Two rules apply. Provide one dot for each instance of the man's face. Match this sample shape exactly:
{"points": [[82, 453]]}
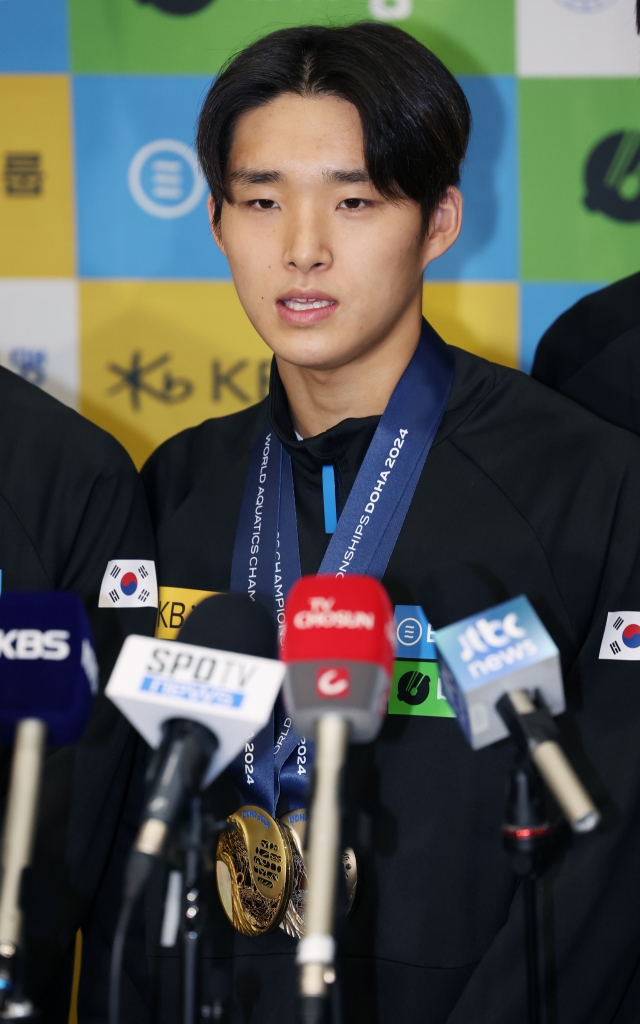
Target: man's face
{"points": [[325, 267]]}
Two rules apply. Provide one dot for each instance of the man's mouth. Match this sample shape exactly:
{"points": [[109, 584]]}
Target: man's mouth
{"points": [[302, 305]]}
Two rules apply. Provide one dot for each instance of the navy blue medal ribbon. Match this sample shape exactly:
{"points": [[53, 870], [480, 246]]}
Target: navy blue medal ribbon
{"points": [[266, 576], [266, 557]]}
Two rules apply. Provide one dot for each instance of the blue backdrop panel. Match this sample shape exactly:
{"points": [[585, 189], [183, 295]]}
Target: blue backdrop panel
{"points": [[487, 249], [141, 199], [34, 35]]}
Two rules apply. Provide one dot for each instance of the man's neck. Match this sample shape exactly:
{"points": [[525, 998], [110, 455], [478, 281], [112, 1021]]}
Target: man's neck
{"points": [[318, 399]]}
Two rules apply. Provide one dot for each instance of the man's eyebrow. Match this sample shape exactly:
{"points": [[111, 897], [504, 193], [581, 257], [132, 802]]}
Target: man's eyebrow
{"points": [[246, 176], [358, 176]]}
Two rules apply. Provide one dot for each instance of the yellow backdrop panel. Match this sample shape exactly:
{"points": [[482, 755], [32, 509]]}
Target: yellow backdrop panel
{"points": [[36, 205], [159, 356], [483, 318]]}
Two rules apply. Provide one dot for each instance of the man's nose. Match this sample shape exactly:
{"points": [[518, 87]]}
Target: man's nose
{"points": [[307, 245]]}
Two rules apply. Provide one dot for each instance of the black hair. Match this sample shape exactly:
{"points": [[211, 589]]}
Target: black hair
{"points": [[415, 117]]}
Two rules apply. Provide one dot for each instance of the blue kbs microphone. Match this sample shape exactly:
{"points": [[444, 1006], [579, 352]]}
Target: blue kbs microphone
{"points": [[48, 677]]}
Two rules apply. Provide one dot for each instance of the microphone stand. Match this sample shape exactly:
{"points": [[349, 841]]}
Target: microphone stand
{"points": [[527, 835], [198, 833], [17, 846], [316, 949], [192, 923]]}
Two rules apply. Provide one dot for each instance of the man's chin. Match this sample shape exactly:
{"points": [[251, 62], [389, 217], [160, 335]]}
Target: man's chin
{"points": [[323, 359]]}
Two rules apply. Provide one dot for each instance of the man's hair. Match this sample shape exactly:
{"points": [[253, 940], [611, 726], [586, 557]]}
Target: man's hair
{"points": [[415, 117]]}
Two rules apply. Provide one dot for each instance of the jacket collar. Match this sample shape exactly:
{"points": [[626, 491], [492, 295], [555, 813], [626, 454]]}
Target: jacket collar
{"points": [[345, 445]]}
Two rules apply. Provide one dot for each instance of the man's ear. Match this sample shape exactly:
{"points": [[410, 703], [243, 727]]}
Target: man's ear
{"points": [[215, 228], [444, 226]]}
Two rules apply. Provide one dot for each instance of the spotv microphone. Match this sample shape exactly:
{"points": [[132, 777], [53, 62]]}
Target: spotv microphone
{"points": [[48, 677], [197, 702], [338, 646], [489, 665]]}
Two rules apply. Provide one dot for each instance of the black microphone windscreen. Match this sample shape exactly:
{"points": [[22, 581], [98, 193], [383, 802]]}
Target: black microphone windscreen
{"points": [[232, 622]]}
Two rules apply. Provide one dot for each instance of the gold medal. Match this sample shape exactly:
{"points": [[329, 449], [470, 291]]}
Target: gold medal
{"points": [[254, 871], [261, 873], [295, 824]]}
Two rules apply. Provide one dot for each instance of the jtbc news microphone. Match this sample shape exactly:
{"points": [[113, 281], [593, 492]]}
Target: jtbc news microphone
{"points": [[48, 677], [338, 646], [491, 664]]}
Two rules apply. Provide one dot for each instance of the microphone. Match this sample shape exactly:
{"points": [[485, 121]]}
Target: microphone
{"points": [[338, 645], [48, 677], [196, 701], [489, 666]]}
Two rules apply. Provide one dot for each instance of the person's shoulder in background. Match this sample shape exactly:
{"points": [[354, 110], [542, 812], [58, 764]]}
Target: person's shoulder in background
{"points": [[71, 501], [64, 484], [584, 330], [34, 425], [591, 353]]}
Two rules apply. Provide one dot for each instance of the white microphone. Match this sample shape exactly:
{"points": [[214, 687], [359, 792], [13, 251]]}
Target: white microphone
{"points": [[490, 665], [197, 705]]}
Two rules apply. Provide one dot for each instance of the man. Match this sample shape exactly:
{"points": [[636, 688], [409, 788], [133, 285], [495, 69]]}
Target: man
{"points": [[592, 351], [333, 160], [70, 503]]}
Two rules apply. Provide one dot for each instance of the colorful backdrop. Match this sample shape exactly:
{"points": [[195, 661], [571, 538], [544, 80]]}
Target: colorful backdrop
{"points": [[112, 294]]}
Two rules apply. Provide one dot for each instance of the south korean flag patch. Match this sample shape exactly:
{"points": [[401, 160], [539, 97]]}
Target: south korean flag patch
{"points": [[621, 639], [129, 583]]}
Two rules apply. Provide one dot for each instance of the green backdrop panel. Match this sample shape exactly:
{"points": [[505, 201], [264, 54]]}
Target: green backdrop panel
{"points": [[472, 37], [580, 178], [137, 35]]}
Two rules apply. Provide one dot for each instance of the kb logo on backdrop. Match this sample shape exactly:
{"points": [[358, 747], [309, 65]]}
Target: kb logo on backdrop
{"points": [[155, 379], [150, 377], [612, 177], [165, 180]]}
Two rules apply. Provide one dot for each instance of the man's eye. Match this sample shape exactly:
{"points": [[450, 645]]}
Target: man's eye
{"points": [[264, 204], [352, 204]]}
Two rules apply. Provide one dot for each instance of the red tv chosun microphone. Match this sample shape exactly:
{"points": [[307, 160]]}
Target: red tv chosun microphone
{"points": [[338, 645]]}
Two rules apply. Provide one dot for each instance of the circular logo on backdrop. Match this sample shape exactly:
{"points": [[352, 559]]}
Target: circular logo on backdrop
{"points": [[612, 176], [165, 180], [631, 635], [129, 583], [409, 632], [178, 6], [586, 6], [413, 687]]}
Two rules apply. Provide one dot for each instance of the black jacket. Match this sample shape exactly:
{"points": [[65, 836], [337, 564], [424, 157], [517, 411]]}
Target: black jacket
{"points": [[70, 500], [592, 353], [522, 492]]}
